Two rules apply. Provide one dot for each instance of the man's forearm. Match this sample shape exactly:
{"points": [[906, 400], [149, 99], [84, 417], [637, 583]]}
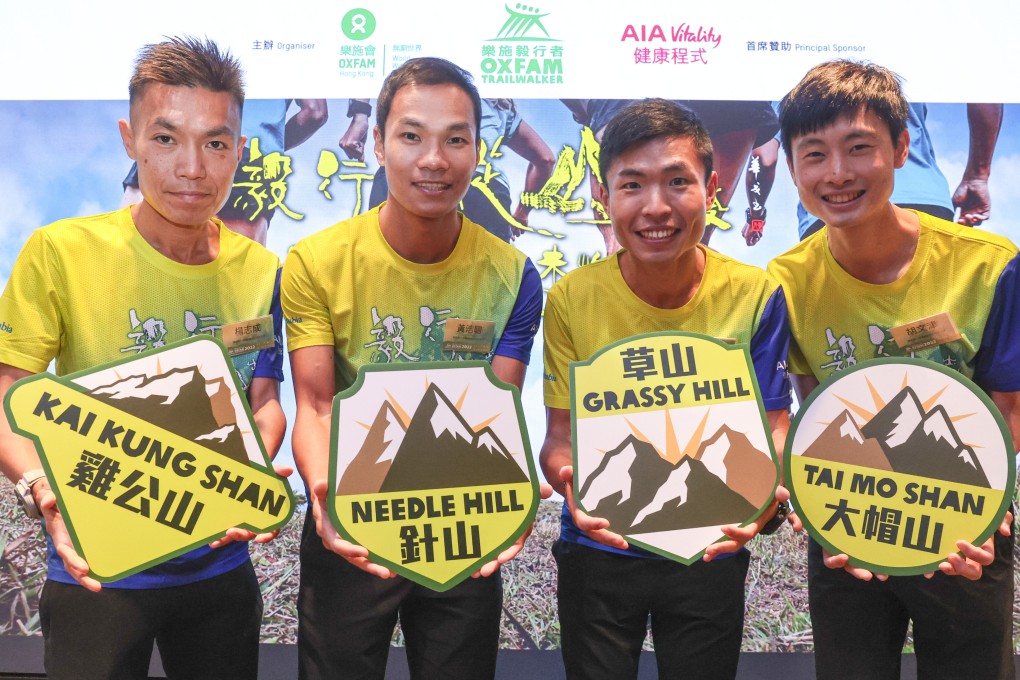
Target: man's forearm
{"points": [[311, 446], [17, 454], [985, 121]]}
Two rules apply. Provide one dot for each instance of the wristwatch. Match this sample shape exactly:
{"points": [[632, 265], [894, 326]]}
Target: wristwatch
{"points": [[757, 224], [772, 526], [24, 490], [356, 106]]}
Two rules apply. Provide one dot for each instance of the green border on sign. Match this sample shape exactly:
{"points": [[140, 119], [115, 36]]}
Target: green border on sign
{"points": [[741, 347], [68, 381], [1007, 496], [472, 567]]}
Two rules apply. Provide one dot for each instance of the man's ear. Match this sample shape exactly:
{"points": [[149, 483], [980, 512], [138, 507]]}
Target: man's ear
{"points": [[902, 150], [710, 190], [603, 196], [380, 152], [127, 138]]}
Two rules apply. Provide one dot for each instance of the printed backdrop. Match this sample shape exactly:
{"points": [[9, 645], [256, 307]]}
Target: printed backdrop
{"points": [[318, 65]]}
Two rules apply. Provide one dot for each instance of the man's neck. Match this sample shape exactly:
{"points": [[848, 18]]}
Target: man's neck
{"points": [[668, 285], [187, 244], [416, 239], [879, 251]]}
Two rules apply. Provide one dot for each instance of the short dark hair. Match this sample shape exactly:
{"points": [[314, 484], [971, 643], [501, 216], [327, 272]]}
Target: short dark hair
{"points": [[841, 88], [187, 62], [425, 71], [650, 119]]}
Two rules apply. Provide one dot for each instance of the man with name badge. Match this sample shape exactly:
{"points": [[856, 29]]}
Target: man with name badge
{"points": [[656, 161], [863, 287], [88, 291], [385, 287]]}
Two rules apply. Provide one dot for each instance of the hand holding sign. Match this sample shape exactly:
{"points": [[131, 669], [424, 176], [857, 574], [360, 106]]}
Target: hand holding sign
{"points": [[75, 565], [739, 535], [544, 491], [333, 541], [148, 459], [971, 560], [240, 534], [430, 471], [671, 449], [896, 463], [595, 528]]}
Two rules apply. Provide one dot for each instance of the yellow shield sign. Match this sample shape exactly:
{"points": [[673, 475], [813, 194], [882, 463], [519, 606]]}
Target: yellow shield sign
{"points": [[895, 460], [431, 468], [150, 457], [670, 441]]}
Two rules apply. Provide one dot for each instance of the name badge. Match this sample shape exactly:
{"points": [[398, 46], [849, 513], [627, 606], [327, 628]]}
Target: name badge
{"points": [[937, 329], [468, 335], [242, 337]]}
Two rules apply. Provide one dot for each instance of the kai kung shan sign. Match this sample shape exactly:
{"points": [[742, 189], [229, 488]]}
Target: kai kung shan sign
{"points": [[895, 460], [670, 441], [152, 456], [431, 468]]}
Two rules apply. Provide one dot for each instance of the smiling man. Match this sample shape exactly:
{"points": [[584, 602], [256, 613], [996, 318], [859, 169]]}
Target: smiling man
{"points": [[656, 162], [875, 266], [379, 288], [91, 290]]}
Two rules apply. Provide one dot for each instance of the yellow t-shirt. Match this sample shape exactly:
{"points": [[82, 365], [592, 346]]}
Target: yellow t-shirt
{"points": [[87, 291], [837, 320], [593, 307], [90, 290], [346, 287]]}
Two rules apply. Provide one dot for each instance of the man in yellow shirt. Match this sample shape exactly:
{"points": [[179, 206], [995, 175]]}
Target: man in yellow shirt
{"points": [[88, 291]]}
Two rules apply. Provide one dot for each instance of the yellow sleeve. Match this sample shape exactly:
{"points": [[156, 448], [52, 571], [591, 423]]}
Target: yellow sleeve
{"points": [[31, 326], [305, 302], [559, 350]]}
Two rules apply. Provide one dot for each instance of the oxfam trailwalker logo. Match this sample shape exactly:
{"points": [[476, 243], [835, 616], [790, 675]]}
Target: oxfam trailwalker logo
{"points": [[895, 460], [524, 23], [523, 50], [430, 468], [670, 441], [150, 457]]}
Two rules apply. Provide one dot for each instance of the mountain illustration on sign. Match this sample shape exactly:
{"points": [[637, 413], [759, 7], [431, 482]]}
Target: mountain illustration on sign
{"points": [[437, 449], [640, 491], [902, 437], [184, 402]]}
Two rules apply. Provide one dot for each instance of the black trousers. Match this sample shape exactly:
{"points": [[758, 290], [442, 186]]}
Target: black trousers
{"points": [[346, 618], [208, 630], [605, 601], [962, 629]]}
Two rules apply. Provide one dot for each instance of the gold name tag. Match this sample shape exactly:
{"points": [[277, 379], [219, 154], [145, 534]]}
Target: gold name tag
{"points": [[937, 329], [468, 335], [242, 337]]}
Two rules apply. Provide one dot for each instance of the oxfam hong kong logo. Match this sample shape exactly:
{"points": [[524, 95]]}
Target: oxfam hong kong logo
{"points": [[524, 23], [358, 24]]}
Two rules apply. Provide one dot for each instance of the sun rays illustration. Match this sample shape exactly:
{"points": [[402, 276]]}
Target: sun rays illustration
{"points": [[405, 417], [673, 453], [879, 402]]}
